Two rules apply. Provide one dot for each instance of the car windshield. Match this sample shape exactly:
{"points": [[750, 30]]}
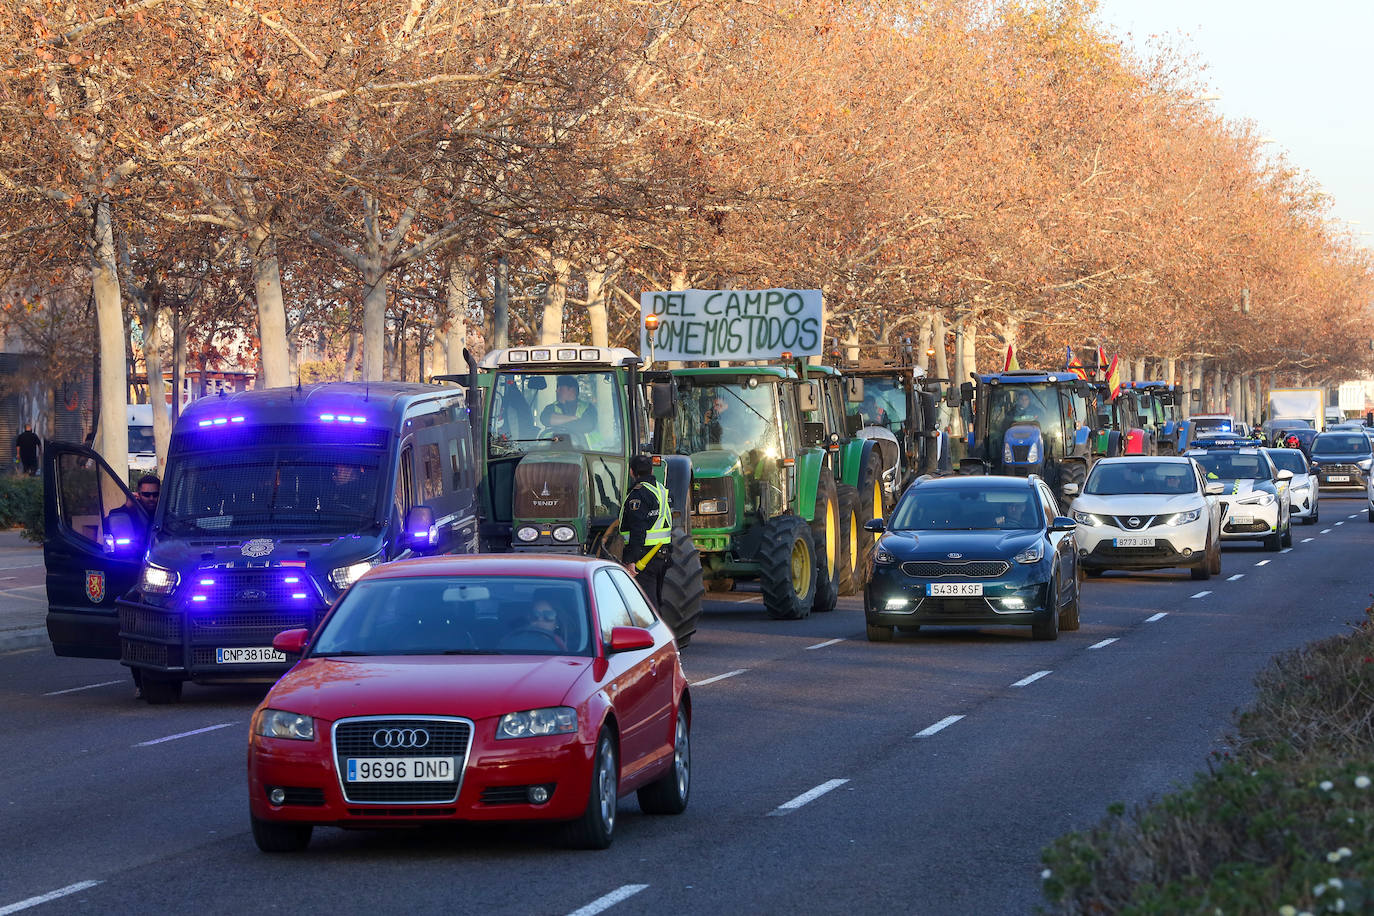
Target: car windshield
{"points": [[884, 404], [533, 412], [967, 509], [1210, 426], [1288, 459], [731, 417], [459, 615], [1341, 444], [1233, 466], [281, 489], [141, 440], [1165, 478]]}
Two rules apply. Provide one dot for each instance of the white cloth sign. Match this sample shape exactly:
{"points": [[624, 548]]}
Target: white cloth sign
{"points": [[731, 325]]}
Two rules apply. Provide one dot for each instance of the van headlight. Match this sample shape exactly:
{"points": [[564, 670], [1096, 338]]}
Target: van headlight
{"points": [[158, 580], [344, 576]]}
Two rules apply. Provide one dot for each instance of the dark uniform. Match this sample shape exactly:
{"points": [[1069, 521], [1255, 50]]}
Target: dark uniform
{"points": [[646, 521]]}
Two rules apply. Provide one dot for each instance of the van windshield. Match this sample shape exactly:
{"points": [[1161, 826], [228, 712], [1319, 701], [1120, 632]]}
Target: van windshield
{"points": [[141, 440], [283, 489]]}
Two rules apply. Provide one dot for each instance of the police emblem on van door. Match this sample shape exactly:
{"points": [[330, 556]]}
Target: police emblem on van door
{"points": [[258, 547], [544, 499], [95, 585]]}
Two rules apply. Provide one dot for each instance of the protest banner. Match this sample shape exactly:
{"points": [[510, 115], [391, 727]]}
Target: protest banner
{"points": [[730, 325]]}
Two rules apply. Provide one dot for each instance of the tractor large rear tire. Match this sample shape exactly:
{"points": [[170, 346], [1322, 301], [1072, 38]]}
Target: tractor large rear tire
{"points": [[787, 568], [1074, 472], [683, 588], [825, 534], [853, 575], [869, 507]]}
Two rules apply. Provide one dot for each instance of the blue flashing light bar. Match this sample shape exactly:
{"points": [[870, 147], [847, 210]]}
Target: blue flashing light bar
{"points": [[207, 581], [298, 595], [197, 597], [342, 418], [291, 580]]}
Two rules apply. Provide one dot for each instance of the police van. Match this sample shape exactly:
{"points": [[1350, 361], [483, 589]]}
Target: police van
{"points": [[274, 502]]}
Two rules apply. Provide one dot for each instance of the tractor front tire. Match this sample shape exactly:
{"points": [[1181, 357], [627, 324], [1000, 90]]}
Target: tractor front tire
{"points": [[787, 568], [683, 588]]}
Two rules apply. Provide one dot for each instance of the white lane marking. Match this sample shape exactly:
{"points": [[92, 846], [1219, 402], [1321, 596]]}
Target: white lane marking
{"points": [[808, 796], [1203, 594], [1286, 550], [1235, 577], [601, 904], [1307, 540], [196, 731], [1160, 616], [1262, 563], [828, 642], [944, 723], [1353, 516], [1325, 531], [719, 677], [7, 578], [1340, 523], [58, 693], [20, 651], [36, 565], [76, 888], [1031, 679], [1104, 643]]}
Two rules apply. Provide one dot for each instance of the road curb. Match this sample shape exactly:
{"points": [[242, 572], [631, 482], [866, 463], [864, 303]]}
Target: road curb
{"points": [[25, 638]]}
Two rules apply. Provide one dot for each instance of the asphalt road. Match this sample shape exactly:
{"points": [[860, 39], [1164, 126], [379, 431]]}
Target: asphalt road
{"points": [[830, 774]]}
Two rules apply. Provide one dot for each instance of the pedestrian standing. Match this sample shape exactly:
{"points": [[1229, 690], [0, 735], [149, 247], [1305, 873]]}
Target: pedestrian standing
{"points": [[27, 447], [646, 521]]}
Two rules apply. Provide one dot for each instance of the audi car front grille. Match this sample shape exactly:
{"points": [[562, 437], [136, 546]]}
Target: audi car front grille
{"points": [[402, 736], [971, 569]]}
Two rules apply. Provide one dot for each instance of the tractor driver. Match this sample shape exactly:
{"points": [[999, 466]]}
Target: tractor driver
{"points": [[569, 413]]}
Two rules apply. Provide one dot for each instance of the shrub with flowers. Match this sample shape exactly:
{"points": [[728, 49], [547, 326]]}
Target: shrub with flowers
{"points": [[1283, 824]]}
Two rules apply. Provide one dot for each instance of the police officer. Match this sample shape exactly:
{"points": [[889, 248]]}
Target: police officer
{"points": [[646, 521]]}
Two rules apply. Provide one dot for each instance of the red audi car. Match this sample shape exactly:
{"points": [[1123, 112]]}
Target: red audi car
{"points": [[476, 688]]}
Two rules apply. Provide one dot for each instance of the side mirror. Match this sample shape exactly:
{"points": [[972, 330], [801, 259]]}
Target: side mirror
{"points": [[662, 399], [853, 423], [1063, 523], [1070, 489], [420, 531], [291, 642], [1215, 488], [626, 639], [875, 525], [1196, 395], [952, 397], [813, 434], [121, 536], [809, 396], [966, 391], [854, 390], [1285, 474]]}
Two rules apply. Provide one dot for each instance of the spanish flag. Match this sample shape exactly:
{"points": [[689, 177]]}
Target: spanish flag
{"points": [[1073, 365], [1101, 364], [1114, 378], [1011, 362]]}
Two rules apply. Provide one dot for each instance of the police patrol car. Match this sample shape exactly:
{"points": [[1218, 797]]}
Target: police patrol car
{"points": [[1255, 499]]}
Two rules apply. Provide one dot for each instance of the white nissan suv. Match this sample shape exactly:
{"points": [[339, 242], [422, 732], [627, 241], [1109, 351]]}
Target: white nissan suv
{"points": [[1148, 512]]}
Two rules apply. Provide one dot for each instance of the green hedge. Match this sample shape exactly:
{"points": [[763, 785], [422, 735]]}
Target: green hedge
{"points": [[1283, 824], [21, 505]]}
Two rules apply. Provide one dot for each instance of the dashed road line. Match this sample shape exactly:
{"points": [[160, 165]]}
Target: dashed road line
{"points": [[1262, 563], [194, 731], [1104, 643], [76, 888], [944, 723], [1235, 577], [1340, 523], [1325, 531], [1155, 617], [601, 904], [1286, 550], [1202, 594], [1031, 679], [828, 642], [1307, 540], [58, 693], [719, 677], [808, 796], [1354, 516]]}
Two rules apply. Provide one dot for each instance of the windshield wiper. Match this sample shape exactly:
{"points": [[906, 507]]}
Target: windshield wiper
{"points": [[462, 652]]}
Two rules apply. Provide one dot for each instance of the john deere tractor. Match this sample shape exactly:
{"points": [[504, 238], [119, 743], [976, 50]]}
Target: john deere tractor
{"points": [[763, 503], [561, 424], [1027, 422]]}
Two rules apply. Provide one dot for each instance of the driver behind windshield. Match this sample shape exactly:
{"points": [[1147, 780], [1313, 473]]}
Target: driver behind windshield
{"points": [[570, 412]]}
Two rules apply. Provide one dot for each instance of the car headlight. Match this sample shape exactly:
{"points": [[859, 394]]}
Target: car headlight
{"points": [[533, 723], [278, 723], [527, 533], [1033, 554], [883, 558], [713, 507], [1263, 499], [1364, 464], [1086, 519], [344, 576], [564, 533], [1183, 518], [158, 580]]}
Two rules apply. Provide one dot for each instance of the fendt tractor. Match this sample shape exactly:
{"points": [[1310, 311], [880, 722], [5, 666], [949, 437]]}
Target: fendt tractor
{"points": [[1159, 408], [1122, 414], [1027, 422], [561, 423], [764, 504]]}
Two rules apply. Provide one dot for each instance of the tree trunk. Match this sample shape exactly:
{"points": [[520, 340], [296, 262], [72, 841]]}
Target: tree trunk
{"points": [[374, 321], [851, 341], [500, 307], [113, 438], [555, 297], [598, 317], [924, 344], [456, 337], [941, 333], [1170, 365], [157, 386], [351, 357], [276, 365], [178, 362]]}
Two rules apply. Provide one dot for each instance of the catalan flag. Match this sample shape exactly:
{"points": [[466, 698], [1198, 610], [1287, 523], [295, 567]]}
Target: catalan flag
{"points": [[1073, 365], [1114, 378]]}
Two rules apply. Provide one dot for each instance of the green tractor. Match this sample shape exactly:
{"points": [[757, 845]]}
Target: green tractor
{"points": [[764, 504], [561, 423]]}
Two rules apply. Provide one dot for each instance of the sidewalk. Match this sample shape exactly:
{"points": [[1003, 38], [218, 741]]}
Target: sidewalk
{"points": [[23, 593]]}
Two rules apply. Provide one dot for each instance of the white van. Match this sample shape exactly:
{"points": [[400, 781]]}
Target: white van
{"points": [[142, 451]]}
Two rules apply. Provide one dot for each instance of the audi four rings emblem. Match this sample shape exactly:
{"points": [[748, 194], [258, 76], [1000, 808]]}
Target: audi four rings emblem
{"points": [[400, 737]]}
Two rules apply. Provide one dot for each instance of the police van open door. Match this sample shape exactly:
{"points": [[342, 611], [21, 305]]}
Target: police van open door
{"points": [[90, 560]]}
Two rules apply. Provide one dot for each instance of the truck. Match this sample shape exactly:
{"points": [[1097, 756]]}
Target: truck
{"points": [[1350, 399], [1297, 404]]}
